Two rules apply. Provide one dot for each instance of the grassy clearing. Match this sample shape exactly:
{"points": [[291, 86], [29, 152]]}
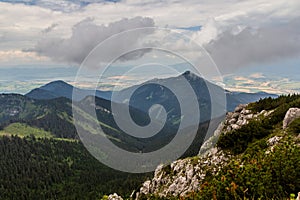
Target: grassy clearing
{"points": [[23, 130]]}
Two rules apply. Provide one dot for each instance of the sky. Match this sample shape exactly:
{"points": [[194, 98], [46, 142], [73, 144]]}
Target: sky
{"points": [[255, 44]]}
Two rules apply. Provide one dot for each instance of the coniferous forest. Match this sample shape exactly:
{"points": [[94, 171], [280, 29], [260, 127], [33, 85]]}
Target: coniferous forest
{"points": [[40, 168]]}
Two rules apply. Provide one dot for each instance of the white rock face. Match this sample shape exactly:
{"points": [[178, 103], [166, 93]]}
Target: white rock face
{"points": [[240, 117], [290, 116], [114, 196], [182, 176]]}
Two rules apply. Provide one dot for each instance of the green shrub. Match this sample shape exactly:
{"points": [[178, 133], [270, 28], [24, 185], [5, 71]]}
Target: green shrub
{"points": [[237, 141], [272, 176]]}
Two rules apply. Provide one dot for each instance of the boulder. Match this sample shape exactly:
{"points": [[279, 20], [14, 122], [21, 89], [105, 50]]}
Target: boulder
{"points": [[250, 116], [235, 126], [245, 112], [232, 121], [240, 107], [290, 116], [114, 196], [241, 122]]}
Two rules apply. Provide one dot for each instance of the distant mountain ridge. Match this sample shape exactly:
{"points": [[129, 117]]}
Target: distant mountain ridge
{"points": [[60, 88]]}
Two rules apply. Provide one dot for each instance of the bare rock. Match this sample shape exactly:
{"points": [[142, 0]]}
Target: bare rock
{"points": [[114, 196], [183, 176], [290, 116], [235, 126], [241, 122], [274, 140], [240, 107], [232, 121], [245, 112], [263, 112], [235, 115], [145, 189], [249, 116]]}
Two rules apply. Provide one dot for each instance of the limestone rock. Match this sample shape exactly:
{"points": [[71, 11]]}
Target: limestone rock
{"points": [[274, 140], [240, 107], [290, 116], [248, 117], [235, 115], [145, 189], [114, 196], [241, 122], [235, 126], [245, 112], [183, 176], [232, 121]]}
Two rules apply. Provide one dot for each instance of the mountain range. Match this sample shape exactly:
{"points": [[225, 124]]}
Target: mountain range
{"points": [[60, 88], [50, 108]]}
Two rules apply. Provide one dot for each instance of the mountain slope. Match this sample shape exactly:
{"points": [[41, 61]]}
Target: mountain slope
{"points": [[256, 157], [53, 116], [45, 168]]}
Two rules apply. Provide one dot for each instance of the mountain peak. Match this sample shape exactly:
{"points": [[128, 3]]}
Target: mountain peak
{"points": [[54, 85], [190, 75], [52, 90], [188, 72]]}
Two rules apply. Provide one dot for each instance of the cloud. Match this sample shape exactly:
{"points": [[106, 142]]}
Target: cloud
{"points": [[49, 28], [24, 23], [14, 56], [86, 35], [252, 45], [59, 5]]}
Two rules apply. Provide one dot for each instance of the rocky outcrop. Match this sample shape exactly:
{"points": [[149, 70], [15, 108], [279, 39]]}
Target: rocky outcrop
{"points": [[183, 176], [233, 121], [291, 115], [241, 116]]}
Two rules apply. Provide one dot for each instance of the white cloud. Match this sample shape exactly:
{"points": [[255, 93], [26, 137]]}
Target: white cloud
{"points": [[249, 23], [16, 56], [86, 35], [265, 44]]}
